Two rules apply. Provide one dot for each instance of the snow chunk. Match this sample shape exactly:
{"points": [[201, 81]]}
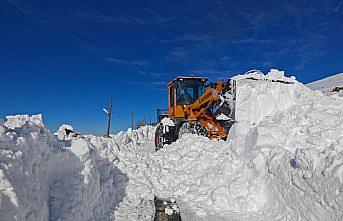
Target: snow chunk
{"points": [[66, 132], [17, 121], [273, 75], [167, 122], [168, 211], [222, 116]]}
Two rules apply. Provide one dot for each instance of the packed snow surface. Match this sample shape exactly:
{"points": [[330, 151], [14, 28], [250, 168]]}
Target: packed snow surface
{"points": [[282, 161]]}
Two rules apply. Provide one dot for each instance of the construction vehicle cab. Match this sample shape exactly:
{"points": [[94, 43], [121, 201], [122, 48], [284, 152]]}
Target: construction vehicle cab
{"points": [[193, 107], [183, 91]]}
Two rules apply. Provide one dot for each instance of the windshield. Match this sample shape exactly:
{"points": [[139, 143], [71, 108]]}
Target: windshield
{"points": [[189, 90]]}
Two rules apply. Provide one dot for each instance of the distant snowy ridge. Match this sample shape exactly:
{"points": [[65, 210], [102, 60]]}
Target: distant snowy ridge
{"points": [[327, 85]]}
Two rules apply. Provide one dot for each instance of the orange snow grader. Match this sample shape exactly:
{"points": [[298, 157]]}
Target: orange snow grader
{"points": [[197, 107]]}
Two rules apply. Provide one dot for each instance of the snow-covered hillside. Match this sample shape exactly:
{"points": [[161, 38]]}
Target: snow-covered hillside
{"points": [[328, 85], [283, 160]]}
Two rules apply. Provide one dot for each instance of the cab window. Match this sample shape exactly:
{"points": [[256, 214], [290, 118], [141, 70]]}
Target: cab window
{"points": [[189, 90]]}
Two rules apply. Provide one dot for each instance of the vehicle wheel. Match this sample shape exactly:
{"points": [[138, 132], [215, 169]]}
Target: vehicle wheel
{"points": [[158, 137], [192, 127]]}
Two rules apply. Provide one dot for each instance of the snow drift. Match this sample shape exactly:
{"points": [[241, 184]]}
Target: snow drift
{"points": [[45, 178], [282, 161]]}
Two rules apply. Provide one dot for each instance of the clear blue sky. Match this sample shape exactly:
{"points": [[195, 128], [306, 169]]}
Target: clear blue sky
{"points": [[65, 58]]}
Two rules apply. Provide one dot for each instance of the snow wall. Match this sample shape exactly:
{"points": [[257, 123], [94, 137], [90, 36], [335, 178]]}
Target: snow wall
{"points": [[46, 178]]}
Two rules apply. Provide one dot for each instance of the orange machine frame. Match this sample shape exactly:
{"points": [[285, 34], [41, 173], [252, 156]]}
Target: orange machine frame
{"points": [[200, 110]]}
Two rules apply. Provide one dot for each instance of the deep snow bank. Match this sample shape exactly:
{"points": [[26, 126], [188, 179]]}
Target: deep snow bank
{"points": [[256, 99], [125, 151], [217, 181], [45, 178], [23, 173]]}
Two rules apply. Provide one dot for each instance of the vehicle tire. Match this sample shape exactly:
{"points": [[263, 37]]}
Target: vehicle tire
{"points": [[192, 127], [158, 137]]}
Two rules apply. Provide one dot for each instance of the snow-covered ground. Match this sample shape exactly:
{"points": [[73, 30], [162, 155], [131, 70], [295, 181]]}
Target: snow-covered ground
{"points": [[282, 161]]}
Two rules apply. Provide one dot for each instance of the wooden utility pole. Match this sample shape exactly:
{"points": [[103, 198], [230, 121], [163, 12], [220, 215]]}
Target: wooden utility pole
{"points": [[109, 115], [132, 120]]}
